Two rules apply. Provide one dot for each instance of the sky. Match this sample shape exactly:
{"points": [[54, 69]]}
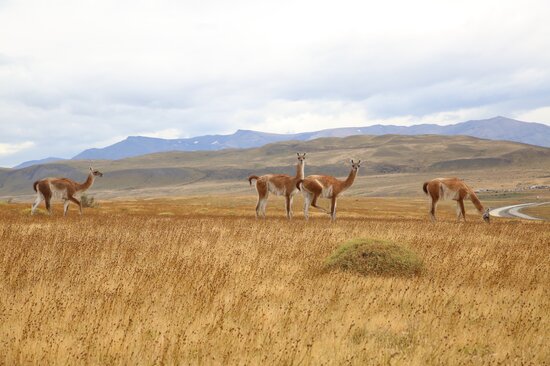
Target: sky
{"points": [[89, 73]]}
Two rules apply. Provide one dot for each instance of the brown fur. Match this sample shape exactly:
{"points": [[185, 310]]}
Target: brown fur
{"points": [[315, 186], [454, 188], [67, 187], [252, 177], [278, 184]]}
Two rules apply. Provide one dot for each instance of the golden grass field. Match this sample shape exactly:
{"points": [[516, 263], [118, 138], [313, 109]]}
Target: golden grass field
{"points": [[200, 281], [542, 211]]}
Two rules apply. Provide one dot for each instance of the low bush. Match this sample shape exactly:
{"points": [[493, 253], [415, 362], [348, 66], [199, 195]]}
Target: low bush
{"points": [[88, 201], [375, 257]]}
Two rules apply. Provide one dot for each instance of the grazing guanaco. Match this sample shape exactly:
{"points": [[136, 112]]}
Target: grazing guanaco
{"points": [[67, 188], [455, 189], [315, 186]]}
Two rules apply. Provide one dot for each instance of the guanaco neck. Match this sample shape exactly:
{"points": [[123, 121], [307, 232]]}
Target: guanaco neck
{"points": [[476, 202], [300, 169], [350, 179], [80, 187]]}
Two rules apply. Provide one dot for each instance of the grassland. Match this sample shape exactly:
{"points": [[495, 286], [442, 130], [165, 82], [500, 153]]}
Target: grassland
{"points": [[504, 181], [542, 211], [200, 281]]}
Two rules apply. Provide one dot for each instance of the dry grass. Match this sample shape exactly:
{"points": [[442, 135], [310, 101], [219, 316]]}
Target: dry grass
{"points": [[542, 211], [200, 281]]}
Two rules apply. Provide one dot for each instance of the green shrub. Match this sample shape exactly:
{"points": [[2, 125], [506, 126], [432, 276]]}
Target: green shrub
{"points": [[88, 201], [375, 257]]}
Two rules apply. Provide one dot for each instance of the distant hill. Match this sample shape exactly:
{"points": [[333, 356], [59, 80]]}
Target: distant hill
{"points": [[382, 155], [138, 145], [37, 162], [498, 128]]}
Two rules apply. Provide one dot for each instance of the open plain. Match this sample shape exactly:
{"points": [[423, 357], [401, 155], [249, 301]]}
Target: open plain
{"points": [[166, 127], [199, 280]]}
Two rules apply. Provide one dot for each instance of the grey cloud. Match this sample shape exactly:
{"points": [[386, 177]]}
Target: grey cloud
{"points": [[90, 104]]}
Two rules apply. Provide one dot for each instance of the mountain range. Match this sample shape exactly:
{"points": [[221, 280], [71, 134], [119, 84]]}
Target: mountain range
{"points": [[403, 161], [497, 128]]}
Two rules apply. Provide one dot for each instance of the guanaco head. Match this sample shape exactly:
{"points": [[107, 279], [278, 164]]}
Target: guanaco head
{"points": [[301, 157], [96, 173], [355, 166], [486, 216]]}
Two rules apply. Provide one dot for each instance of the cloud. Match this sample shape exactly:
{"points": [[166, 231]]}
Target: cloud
{"points": [[10, 149], [88, 74], [169, 133], [539, 114]]}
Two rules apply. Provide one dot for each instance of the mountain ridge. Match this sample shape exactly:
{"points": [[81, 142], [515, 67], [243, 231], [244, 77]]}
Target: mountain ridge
{"points": [[37, 162], [385, 155], [496, 128]]}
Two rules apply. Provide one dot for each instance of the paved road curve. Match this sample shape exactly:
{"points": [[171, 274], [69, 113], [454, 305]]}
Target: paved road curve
{"points": [[513, 211]]}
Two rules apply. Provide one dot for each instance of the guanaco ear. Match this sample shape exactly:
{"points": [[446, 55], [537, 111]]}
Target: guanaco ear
{"points": [[298, 153], [351, 160]]}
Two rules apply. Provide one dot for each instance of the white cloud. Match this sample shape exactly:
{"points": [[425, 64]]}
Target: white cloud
{"points": [[75, 75], [169, 133], [535, 115], [10, 149]]}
